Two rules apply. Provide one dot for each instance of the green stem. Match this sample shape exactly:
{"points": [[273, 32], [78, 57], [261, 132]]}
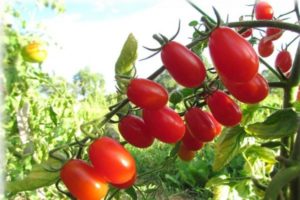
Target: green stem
{"points": [[294, 79], [270, 68], [277, 84]]}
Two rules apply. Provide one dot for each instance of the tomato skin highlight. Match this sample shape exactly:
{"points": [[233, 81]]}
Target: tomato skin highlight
{"points": [[265, 47], [190, 142], [263, 11], [185, 154], [283, 61], [134, 131], [184, 66], [147, 94], [82, 180], [112, 160], [224, 109], [251, 92], [230, 53], [200, 124], [164, 124]]}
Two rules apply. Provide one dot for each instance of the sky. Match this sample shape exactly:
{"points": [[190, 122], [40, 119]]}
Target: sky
{"points": [[91, 32]]}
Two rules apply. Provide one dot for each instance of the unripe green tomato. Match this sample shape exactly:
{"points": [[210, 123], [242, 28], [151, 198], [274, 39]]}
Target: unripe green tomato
{"points": [[34, 52]]}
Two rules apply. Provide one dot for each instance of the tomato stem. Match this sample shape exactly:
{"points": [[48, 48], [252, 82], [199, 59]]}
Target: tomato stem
{"points": [[271, 68]]}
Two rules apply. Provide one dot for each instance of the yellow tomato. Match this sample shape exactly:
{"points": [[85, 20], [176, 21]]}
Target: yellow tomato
{"points": [[34, 52]]}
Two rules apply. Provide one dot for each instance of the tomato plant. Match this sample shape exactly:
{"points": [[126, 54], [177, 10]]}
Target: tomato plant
{"points": [[83, 181], [232, 53], [147, 94], [191, 142], [283, 61], [134, 131], [265, 47], [224, 109], [34, 52], [111, 160], [263, 11], [164, 124], [183, 65]]}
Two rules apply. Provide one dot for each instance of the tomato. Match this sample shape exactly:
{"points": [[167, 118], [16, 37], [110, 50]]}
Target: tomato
{"points": [[112, 160], [200, 124], [273, 33], [83, 181], [164, 124], [265, 47], [184, 66], [298, 94], [190, 142], [185, 154], [246, 33], [218, 125], [232, 55], [134, 131], [34, 52], [126, 185], [263, 11], [147, 94], [224, 109], [283, 61], [250, 92]]}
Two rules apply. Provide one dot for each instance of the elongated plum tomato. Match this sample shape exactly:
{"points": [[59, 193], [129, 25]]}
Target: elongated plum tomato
{"points": [[224, 109], [273, 33], [263, 11], [83, 181], [218, 125], [184, 66], [147, 93], [200, 124], [283, 61], [250, 92], [126, 185], [34, 52], [164, 124], [111, 160], [190, 142], [232, 55], [134, 131], [265, 47], [185, 154], [247, 33]]}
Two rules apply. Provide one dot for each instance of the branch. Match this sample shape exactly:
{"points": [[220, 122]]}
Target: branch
{"points": [[294, 79], [277, 84], [297, 10], [271, 68]]}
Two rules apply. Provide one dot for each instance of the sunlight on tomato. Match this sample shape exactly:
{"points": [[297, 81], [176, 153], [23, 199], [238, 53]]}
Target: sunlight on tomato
{"points": [[34, 52]]}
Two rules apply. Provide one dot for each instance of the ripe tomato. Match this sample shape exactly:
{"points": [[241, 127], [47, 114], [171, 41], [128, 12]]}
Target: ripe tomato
{"points": [[83, 181], [265, 47], [147, 94], [224, 109], [218, 125], [190, 142], [283, 61], [246, 33], [126, 185], [34, 52], [184, 66], [164, 124], [200, 124], [263, 11], [185, 154], [273, 33], [134, 131], [111, 160], [232, 55], [250, 92]]}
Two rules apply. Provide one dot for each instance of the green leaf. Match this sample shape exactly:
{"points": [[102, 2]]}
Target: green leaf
{"points": [[53, 115], [227, 146], [263, 153], [131, 192], [38, 177], [193, 23], [280, 124]]}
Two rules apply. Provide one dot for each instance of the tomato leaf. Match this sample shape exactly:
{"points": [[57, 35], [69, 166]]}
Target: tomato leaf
{"points": [[227, 146], [263, 153], [131, 192], [280, 124], [38, 177], [53, 115]]}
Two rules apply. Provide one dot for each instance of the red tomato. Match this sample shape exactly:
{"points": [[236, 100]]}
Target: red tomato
{"points": [[283, 61], [218, 125], [200, 124], [190, 142], [112, 160], [263, 11], [224, 109], [83, 181], [185, 154], [265, 47], [246, 33], [298, 94], [250, 92], [134, 131], [273, 33], [126, 185], [184, 66], [232, 55], [147, 94], [164, 124]]}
